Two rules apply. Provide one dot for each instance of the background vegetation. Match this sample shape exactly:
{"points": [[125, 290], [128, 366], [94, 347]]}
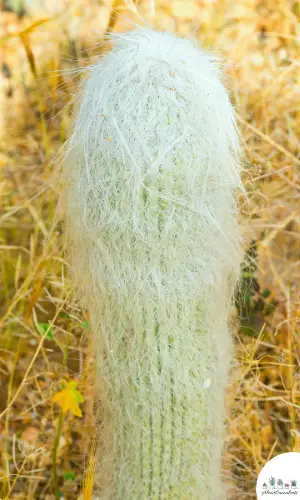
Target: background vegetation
{"points": [[47, 397]]}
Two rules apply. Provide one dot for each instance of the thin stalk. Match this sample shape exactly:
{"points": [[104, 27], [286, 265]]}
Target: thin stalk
{"points": [[54, 455]]}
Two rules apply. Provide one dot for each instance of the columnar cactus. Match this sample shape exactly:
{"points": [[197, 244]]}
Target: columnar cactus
{"points": [[150, 175]]}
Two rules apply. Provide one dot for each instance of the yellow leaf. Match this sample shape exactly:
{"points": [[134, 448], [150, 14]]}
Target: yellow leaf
{"points": [[69, 398]]}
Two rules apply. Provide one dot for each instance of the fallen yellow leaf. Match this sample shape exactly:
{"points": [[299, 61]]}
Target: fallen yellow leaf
{"points": [[69, 398]]}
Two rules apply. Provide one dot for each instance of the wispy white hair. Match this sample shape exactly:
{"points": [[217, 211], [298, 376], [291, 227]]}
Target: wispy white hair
{"points": [[150, 178]]}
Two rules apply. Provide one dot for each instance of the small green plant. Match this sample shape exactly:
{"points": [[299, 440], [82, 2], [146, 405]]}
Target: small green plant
{"points": [[45, 329]]}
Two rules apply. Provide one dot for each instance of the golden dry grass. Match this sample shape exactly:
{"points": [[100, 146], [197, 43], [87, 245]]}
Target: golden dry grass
{"points": [[45, 337]]}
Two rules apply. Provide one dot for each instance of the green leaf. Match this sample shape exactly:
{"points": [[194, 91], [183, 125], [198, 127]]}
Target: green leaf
{"points": [[62, 314], [69, 475], [44, 327], [85, 325]]}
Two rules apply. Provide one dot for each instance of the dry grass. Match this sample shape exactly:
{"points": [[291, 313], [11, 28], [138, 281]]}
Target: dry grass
{"points": [[260, 40]]}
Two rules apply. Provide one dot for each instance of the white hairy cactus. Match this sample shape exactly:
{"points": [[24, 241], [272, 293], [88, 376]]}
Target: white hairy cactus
{"points": [[150, 175]]}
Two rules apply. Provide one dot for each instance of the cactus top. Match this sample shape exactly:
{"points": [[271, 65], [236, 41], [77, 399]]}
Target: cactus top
{"points": [[155, 137]]}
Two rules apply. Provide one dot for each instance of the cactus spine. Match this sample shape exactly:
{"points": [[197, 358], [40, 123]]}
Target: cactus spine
{"points": [[150, 174]]}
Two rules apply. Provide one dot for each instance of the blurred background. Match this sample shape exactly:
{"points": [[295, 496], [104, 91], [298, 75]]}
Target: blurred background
{"points": [[47, 397]]}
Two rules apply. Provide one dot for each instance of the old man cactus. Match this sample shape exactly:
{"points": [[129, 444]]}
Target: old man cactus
{"points": [[150, 178]]}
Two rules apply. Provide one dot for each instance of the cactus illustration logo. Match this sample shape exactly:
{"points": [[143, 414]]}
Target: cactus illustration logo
{"points": [[280, 476]]}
